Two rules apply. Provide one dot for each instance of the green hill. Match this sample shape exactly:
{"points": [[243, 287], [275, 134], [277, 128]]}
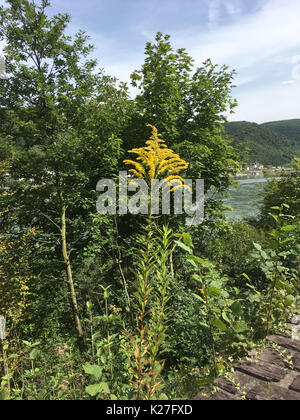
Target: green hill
{"points": [[288, 128], [266, 146]]}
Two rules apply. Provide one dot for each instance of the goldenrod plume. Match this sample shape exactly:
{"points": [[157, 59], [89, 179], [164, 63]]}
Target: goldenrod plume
{"points": [[157, 161]]}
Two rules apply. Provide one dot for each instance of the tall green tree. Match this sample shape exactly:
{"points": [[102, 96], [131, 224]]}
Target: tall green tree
{"points": [[60, 122], [188, 106]]}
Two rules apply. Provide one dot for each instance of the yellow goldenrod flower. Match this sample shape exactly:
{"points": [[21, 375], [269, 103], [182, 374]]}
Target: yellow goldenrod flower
{"points": [[157, 161]]}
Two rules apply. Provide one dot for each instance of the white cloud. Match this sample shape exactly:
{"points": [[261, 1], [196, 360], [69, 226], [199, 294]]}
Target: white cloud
{"points": [[233, 7], [288, 82], [216, 9], [213, 12], [253, 38], [261, 47], [268, 104]]}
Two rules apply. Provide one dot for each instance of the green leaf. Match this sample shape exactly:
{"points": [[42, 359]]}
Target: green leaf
{"points": [[34, 354], [245, 275], [241, 326], [257, 246], [93, 390], [89, 305], [13, 356], [274, 217], [264, 255], [187, 239], [94, 370], [236, 308], [288, 228], [191, 261], [197, 278], [4, 394], [184, 247], [213, 291], [219, 324], [104, 387], [225, 317], [198, 297], [103, 359]]}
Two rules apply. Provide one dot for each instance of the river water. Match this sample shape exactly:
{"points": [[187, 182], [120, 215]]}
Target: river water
{"points": [[245, 199]]}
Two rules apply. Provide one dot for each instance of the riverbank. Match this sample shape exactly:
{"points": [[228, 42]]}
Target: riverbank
{"points": [[266, 173]]}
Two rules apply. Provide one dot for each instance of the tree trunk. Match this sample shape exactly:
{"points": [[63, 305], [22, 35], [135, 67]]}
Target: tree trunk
{"points": [[69, 269]]}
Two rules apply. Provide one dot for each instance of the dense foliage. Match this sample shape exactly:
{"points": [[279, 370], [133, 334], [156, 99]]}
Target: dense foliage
{"points": [[264, 145], [288, 128], [126, 306]]}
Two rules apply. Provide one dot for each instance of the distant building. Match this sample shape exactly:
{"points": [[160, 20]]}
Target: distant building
{"points": [[255, 166]]}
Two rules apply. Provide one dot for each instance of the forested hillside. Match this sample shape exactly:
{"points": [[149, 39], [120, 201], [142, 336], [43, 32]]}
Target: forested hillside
{"points": [[288, 128], [265, 146]]}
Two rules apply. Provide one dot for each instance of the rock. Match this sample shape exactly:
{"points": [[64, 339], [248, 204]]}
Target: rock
{"points": [[261, 370], [204, 394], [296, 362], [237, 383], [272, 356], [295, 320], [222, 396], [286, 342], [226, 385], [295, 386], [272, 392]]}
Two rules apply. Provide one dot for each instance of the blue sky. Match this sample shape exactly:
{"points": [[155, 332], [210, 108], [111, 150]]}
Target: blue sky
{"points": [[258, 38]]}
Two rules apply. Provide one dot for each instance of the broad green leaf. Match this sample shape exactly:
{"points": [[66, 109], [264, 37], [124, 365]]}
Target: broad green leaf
{"points": [[186, 237], [241, 326], [184, 247], [104, 387], [288, 228], [197, 278], [213, 291], [274, 217], [191, 261], [34, 354], [4, 394], [264, 255], [236, 308], [93, 390], [219, 324], [94, 370], [225, 317], [257, 246], [198, 297]]}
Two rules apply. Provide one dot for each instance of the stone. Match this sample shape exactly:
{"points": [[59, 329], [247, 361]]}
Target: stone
{"points": [[295, 320], [295, 386], [261, 370], [296, 362], [273, 357], [237, 383], [272, 392], [222, 396], [226, 385], [204, 394], [286, 342]]}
